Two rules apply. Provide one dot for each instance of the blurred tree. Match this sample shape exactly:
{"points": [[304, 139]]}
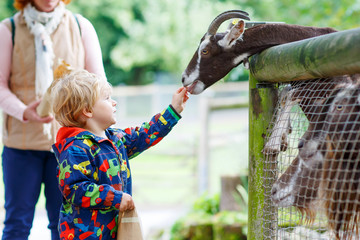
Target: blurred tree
{"points": [[340, 15], [166, 36], [141, 38], [6, 8], [161, 35], [108, 29]]}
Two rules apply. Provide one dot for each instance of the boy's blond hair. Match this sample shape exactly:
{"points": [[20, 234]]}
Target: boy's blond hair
{"points": [[75, 92]]}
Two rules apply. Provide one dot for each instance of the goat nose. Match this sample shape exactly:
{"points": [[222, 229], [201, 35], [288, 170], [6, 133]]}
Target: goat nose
{"points": [[183, 80]]}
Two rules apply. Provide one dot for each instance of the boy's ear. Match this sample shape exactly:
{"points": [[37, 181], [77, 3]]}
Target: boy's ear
{"points": [[87, 113]]}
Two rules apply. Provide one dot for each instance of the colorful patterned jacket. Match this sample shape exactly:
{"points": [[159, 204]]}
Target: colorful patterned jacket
{"points": [[93, 173]]}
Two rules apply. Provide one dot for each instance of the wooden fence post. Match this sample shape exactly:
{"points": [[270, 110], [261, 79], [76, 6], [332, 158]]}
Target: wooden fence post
{"points": [[324, 56], [262, 103], [228, 189], [208, 104]]}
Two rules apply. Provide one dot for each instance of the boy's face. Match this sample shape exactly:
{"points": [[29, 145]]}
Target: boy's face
{"points": [[104, 110]]}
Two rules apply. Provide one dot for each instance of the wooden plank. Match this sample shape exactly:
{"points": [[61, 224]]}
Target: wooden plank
{"points": [[203, 154], [152, 89], [228, 103]]}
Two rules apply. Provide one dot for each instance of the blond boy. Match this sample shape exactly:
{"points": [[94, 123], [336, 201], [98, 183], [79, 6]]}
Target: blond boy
{"points": [[93, 159]]}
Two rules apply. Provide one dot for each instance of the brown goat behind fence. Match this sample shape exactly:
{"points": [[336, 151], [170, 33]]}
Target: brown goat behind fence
{"points": [[319, 170]]}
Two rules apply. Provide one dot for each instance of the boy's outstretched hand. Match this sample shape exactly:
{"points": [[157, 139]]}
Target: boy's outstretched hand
{"points": [[179, 99]]}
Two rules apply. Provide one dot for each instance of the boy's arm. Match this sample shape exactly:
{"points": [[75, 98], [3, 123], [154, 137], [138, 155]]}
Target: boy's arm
{"points": [[77, 180], [138, 139]]}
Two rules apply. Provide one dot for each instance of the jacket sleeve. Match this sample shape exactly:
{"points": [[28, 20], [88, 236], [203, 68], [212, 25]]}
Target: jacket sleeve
{"points": [[78, 181], [138, 139]]}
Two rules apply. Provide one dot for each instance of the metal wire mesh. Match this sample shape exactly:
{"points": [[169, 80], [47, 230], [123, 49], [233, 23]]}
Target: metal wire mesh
{"points": [[312, 169]]}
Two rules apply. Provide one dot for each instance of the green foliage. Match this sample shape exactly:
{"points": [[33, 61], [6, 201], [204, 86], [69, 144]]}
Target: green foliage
{"points": [[207, 204], [142, 37], [230, 225], [207, 222], [6, 9], [241, 196], [321, 13], [194, 226], [231, 217]]}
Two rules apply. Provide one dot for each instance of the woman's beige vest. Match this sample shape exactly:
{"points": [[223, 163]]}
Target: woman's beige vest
{"points": [[67, 45]]}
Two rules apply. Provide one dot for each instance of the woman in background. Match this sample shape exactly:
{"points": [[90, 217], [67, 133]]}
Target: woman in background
{"points": [[32, 42]]}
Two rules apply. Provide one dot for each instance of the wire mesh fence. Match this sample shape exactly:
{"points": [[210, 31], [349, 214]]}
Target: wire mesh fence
{"points": [[312, 168]]}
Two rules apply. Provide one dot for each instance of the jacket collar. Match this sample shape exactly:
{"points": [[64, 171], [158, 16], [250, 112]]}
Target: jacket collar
{"points": [[68, 132]]}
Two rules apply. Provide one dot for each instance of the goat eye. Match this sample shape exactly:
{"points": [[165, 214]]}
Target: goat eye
{"points": [[301, 144], [339, 107], [204, 51]]}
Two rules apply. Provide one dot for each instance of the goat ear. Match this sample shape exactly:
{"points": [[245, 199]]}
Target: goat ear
{"points": [[234, 34]]}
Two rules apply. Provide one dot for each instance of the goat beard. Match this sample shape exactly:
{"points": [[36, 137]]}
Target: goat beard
{"points": [[309, 213], [339, 191]]}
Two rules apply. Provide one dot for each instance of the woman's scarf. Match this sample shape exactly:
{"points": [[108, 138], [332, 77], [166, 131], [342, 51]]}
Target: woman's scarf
{"points": [[42, 25]]}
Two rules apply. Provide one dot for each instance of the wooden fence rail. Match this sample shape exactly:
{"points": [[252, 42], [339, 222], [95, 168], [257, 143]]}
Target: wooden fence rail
{"points": [[324, 56]]}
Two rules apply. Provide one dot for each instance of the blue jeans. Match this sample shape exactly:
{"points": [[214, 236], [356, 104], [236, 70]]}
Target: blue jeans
{"points": [[24, 171]]}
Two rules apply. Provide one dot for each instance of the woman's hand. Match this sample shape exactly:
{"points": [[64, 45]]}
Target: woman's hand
{"points": [[179, 99], [31, 115]]}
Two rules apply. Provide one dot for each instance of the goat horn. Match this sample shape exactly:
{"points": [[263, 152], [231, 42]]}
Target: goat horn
{"points": [[222, 17]]}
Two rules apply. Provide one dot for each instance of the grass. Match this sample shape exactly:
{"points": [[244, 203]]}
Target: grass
{"points": [[167, 173]]}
